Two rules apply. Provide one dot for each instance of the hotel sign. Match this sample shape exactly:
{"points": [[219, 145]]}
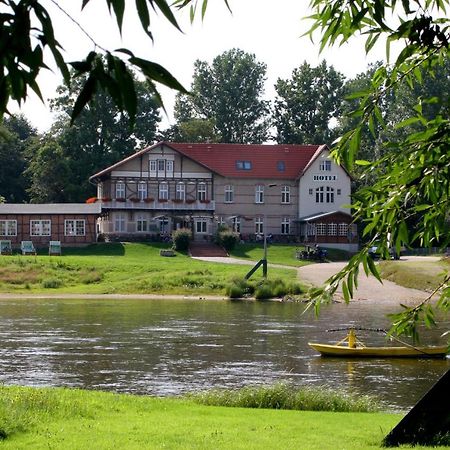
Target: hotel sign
{"points": [[324, 177]]}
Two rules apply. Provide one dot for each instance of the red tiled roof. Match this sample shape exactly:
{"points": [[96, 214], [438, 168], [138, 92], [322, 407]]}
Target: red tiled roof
{"points": [[222, 158], [264, 159]]}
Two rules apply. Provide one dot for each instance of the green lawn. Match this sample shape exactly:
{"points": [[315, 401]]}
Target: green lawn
{"points": [[75, 419], [120, 268]]}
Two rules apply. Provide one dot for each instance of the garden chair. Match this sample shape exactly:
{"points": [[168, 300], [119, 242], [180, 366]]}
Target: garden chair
{"points": [[54, 248], [27, 248], [5, 248]]}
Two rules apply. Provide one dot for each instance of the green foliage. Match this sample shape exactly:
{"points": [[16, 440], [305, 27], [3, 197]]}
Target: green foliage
{"points": [[239, 288], [181, 239], [284, 396], [306, 104], [52, 283], [408, 201], [262, 290], [227, 239], [228, 94]]}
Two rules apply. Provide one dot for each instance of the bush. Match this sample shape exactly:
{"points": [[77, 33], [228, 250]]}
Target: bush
{"points": [[263, 292], [227, 239], [181, 239], [239, 287], [52, 283]]}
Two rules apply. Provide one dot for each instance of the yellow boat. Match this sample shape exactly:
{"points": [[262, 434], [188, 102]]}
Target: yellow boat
{"points": [[356, 349]]}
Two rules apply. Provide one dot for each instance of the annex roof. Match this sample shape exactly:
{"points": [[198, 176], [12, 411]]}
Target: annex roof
{"points": [[50, 208], [283, 161], [321, 215]]}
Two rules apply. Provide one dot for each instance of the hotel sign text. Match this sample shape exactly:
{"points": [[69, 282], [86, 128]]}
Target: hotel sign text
{"points": [[324, 177]]}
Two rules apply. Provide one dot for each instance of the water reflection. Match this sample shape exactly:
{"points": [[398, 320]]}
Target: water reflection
{"points": [[171, 347]]}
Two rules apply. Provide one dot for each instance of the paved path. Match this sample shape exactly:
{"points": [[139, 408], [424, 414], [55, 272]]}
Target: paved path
{"points": [[369, 288]]}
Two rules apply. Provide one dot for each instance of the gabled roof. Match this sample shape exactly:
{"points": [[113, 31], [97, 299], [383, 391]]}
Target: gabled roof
{"points": [[222, 159]]}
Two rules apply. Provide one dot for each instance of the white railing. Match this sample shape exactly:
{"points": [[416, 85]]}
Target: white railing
{"points": [[169, 205]]}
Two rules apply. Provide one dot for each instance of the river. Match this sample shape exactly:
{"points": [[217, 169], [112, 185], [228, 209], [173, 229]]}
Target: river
{"points": [[169, 347]]}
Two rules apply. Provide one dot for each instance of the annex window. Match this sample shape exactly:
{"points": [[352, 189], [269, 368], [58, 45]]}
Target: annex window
{"points": [[201, 226], [229, 193], [285, 225], [75, 227], [325, 165], [286, 194], [332, 229], [153, 165], [120, 189], [259, 225], [141, 223], [201, 192], [163, 191], [8, 227], [319, 194], [119, 223], [259, 193], [343, 229], [311, 229], [330, 194], [281, 166], [40, 227], [163, 225], [243, 165], [180, 193], [169, 166], [142, 191], [321, 229], [236, 224]]}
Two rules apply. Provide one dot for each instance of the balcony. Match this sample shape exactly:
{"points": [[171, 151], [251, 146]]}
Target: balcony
{"points": [[157, 205]]}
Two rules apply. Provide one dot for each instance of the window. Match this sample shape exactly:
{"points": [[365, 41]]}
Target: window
{"points": [[311, 229], [201, 192], [119, 223], [120, 190], [281, 166], [142, 191], [310, 191], [153, 165], [75, 227], [180, 193], [259, 193], [332, 229], [286, 194], [285, 225], [163, 225], [141, 223], [161, 165], [163, 191], [319, 194], [201, 226], [40, 228], [343, 229], [259, 225], [321, 229], [169, 166], [325, 165], [338, 191], [229, 194], [8, 227], [330, 194], [243, 165], [236, 224]]}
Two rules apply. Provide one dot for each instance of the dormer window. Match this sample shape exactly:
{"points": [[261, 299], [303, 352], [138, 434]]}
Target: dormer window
{"points": [[281, 166], [243, 165]]}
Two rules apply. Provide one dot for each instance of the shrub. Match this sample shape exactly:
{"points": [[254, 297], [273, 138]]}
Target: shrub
{"points": [[227, 239], [52, 283], [264, 291], [234, 291], [181, 239]]}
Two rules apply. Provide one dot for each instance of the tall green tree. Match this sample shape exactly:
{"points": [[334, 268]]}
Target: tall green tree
{"points": [[101, 136], [307, 104], [16, 134], [229, 93]]}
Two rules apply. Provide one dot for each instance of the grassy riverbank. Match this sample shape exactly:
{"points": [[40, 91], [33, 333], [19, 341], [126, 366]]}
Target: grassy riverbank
{"points": [[120, 268], [75, 419]]}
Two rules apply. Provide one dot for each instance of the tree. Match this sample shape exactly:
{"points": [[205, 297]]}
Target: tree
{"points": [[101, 136], [15, 137], [307, 103], [413, 175], [228, 92]]}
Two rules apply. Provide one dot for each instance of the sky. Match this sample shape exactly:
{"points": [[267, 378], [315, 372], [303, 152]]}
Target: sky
{"points": [[272, 30]]}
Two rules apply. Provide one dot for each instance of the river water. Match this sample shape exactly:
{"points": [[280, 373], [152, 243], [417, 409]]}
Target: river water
{"points": [[169, 347]]}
